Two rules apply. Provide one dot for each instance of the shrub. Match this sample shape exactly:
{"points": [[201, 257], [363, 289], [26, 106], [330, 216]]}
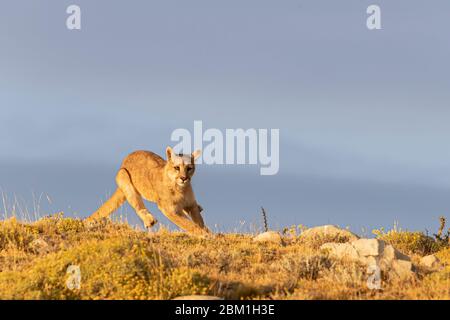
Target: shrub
{"points": [[16, 235], [409, 242], [58, 225], [110, 269]]}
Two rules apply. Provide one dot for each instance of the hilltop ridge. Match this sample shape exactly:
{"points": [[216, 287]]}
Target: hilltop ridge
{"points": [[115, 261]]}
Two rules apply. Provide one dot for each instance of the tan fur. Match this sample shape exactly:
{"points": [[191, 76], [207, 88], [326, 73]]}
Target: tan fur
{"points": [[144, 174]]}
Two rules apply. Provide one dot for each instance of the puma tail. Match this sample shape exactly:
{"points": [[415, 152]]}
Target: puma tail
{"points": [[111, 205]]}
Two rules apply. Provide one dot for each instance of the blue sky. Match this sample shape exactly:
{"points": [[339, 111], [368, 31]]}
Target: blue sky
{"points": [[363, 115]]}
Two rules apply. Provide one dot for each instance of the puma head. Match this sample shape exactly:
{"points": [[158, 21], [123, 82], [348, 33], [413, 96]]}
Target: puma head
{"points": [[181, 167]]}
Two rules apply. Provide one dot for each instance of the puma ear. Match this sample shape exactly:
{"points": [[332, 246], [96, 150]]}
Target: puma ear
{"points": [[169, 153], [196, 154]]}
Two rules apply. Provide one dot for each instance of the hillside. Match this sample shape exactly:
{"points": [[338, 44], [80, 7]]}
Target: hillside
{"points": [[118, 262]]}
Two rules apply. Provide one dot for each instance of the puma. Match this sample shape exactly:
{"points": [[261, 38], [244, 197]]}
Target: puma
{"points": [[145, 175]]}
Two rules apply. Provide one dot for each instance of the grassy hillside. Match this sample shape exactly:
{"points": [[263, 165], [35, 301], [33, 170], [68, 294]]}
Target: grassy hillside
{"points": [[118, 262]]}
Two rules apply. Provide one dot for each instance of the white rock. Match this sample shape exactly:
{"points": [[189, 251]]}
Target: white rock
{"points": [[328, 231], [431, 262], [368, 247], [369, 261], [341, 250], [390, 254], [402, 268], [269, 236], [197, 297]]}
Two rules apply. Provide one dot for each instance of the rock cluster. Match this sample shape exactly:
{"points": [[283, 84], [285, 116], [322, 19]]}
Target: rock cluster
{"points": [[344, 244], [373, 252]]}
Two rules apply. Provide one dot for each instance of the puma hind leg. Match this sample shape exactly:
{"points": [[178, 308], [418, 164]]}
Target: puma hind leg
{"points": [[133, 197]]}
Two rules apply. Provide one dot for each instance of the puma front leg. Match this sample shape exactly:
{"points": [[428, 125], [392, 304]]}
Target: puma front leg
{"points": [[180, 219], [194, 213], [133, 197]]}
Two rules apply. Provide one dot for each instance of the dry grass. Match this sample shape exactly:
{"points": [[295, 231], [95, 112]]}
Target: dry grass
{"points": [[119, 262]]}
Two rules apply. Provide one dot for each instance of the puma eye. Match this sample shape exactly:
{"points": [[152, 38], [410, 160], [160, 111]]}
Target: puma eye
{"points": [[177, 168], [190, 168]]}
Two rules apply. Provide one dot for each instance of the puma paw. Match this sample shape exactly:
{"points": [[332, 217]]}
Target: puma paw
{"points": [[150, 222], [147, 218]]}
